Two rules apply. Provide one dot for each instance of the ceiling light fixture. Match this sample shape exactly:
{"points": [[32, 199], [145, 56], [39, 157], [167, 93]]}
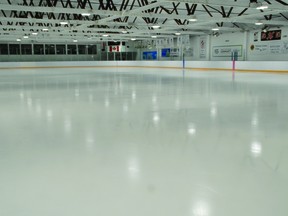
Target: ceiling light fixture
{"points": [[25, 37], [85, 14], [45, 29], [75, 40], [133, 39], [215, 29], [155, 26], [124, 32], [34, 33], [262, 7], [63, 23], [105, 35], [154, 36], [18, 39], [177, 33], [193, 19], [258, 23]]}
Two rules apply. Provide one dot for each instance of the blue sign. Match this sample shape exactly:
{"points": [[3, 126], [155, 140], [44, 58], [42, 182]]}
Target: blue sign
{"points": [[166, 52], [150, 55]]}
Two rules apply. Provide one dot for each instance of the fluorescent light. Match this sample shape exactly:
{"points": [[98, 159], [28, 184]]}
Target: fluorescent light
{"points": [[192, 20], [259, 23], [25, 37], [75, 40], [85, 14], [153, 36], [124, 31], [45, 29], [18, 39], [34, 33], [133, 39], [63, 23], [263, 7], [177, 33], [156, 26], [215, 29], [105, 35]]}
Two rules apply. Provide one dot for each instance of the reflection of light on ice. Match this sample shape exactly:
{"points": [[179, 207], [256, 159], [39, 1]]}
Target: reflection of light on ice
{"points": [[67, 124], [29, 102], [200, 209], [191, 129], [90, 141], [254, 121], [256, 149], [21, 95], [133, 168], [107, 103], [77, 93], [38, 108], [177, 104], [49, 115], [156, 118], [125, 108], [90, 98], [133, 95], [154, 99], [213, 110], [155, 103]]}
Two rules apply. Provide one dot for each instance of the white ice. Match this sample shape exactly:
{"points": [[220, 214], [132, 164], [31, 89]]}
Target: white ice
{"points": [[135, 142]]}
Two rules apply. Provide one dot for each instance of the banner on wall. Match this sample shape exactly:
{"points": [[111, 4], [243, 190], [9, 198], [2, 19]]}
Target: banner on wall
{"points": [[183, 40], [115, 49], [189, 52], [174, 52], [225, 51], [203, 44], [165, 52], [268, 49], [149, 55]]}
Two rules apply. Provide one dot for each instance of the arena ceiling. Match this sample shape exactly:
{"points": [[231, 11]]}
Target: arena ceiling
{"points": [[114, 20]]}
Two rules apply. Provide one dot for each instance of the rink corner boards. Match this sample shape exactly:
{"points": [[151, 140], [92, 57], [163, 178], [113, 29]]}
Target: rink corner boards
{"points": [[144, 67]]}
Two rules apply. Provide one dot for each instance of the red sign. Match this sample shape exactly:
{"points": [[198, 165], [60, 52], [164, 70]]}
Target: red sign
{"points": [[271, 35], [114, 48]]}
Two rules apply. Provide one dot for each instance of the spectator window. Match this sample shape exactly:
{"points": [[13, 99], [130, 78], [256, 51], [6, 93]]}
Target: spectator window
{"points": [[14, 49], [3, 49], [82, 49], [61, 49], [72, 49], [38, 49], [26, 49], [50, 49], [92, 49]]}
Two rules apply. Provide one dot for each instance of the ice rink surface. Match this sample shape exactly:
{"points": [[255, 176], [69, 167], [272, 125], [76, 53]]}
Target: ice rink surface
{"points": [[135, 142]]}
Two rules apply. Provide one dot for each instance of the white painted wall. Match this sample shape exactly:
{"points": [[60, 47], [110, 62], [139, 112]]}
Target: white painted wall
{"points": [[227, 41], [243, 39], [255, 55]]}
